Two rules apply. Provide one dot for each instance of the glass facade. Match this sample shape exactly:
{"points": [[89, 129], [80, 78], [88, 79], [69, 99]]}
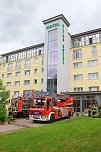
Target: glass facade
{"points": [[52, 60], [81, 102]]}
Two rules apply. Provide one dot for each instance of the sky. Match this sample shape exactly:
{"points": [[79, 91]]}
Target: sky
{"points": [[21, 20]]}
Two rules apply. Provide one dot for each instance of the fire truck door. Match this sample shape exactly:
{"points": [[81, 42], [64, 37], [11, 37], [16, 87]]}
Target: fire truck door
{"points": [[48, 104]]}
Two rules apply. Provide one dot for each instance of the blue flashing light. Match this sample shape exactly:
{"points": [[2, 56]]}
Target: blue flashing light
{"points": [[47, 94]]}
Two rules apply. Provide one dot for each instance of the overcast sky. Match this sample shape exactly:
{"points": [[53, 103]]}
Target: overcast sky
{"points": [[21, 20]]}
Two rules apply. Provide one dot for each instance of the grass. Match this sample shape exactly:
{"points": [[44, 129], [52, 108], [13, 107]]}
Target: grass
{"points": [[82, 134]]}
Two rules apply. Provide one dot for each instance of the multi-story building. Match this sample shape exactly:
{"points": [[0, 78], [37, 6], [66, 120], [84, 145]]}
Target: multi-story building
{"points": [[22, 69], [63, 63], [85, 59]]}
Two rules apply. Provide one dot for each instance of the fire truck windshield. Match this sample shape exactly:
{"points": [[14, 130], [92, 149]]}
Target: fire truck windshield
{"points": [[40, 102]]}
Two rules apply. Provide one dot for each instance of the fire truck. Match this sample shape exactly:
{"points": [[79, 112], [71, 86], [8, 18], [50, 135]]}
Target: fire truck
{"points": [[24, 102], [49, 108]]}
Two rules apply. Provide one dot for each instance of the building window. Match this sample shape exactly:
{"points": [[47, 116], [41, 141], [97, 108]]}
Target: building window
{"points": [[17, 83], [27, 72], [9, 75], [86, 40], [90, 40], [39, 52], [22, 55], [42, 51], [3, 67], [92, 63], [94, 51], [93, 76], [8, 84], [42, 70], [77, 65], [79, 89], [34, 52], [2, 75], [9, 68], [16, 93], [94, 88], [78, 77], [36, 60], [27, 63], [26, 82], [77, 54], [29, 53], [35, 81], [52, 57], [18, 65], [42, 60], [42, 80], [35, 71], [17, 74]]}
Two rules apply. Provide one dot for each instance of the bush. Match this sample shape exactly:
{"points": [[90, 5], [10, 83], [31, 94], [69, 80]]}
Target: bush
{"points": [[3, 114]]}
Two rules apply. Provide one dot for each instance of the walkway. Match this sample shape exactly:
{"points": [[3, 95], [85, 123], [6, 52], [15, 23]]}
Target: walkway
{"points": [[18, 124]]}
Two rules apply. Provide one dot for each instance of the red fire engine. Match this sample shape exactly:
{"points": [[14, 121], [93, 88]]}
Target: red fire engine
{"points": [[51, 108], [23, 103]]}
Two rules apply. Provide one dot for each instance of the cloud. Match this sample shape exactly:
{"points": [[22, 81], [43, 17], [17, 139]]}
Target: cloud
{"points": [[21, 21]]}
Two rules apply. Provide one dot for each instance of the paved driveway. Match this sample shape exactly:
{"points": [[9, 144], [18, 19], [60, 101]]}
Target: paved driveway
{"points": [[18, 124]]}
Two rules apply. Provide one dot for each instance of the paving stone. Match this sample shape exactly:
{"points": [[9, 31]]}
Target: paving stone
{"points": [[18, 124]]}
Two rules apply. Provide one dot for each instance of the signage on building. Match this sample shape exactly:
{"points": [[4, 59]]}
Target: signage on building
{"points": [[63, 43], [52, 25]]}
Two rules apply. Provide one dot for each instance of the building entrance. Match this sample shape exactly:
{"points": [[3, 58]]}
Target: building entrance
{"points": [[82, 101]]}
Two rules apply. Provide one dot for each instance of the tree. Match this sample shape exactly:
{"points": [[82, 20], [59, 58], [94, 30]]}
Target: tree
{"points": [[4, 99], [3, 113], [1, 85], [4, 94]]}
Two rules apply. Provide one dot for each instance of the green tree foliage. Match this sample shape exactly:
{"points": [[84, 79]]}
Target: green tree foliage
{"points": [[3, 113], [4, 99], [4, 94], [1, 85]]}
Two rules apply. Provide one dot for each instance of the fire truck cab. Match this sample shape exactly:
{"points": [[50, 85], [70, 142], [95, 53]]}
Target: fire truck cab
{"points": [[49, 109]]}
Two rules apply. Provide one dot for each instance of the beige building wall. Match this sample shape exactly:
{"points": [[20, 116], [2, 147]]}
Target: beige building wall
{"points": [[85, 69]]}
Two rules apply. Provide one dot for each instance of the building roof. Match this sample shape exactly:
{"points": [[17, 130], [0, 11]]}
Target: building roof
{"points": [[23, 49], [61, 16], [86, 33]]}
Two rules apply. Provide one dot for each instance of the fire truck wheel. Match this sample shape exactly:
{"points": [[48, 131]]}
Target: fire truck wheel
{"points": [[52, 118]]}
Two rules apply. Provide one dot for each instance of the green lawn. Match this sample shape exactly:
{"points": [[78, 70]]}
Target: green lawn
{"points": [[81, 134]]}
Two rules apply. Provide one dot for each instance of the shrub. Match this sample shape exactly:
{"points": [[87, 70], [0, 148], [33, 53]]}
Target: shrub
{"points": [[3, 114]]}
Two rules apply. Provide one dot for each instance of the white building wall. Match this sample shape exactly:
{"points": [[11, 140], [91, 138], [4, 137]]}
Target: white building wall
{"points": [[63, 75], [63, 70]]}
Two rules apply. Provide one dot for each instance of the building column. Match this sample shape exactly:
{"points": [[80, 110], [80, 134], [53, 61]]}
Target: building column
{"points": [[80, 103]]}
